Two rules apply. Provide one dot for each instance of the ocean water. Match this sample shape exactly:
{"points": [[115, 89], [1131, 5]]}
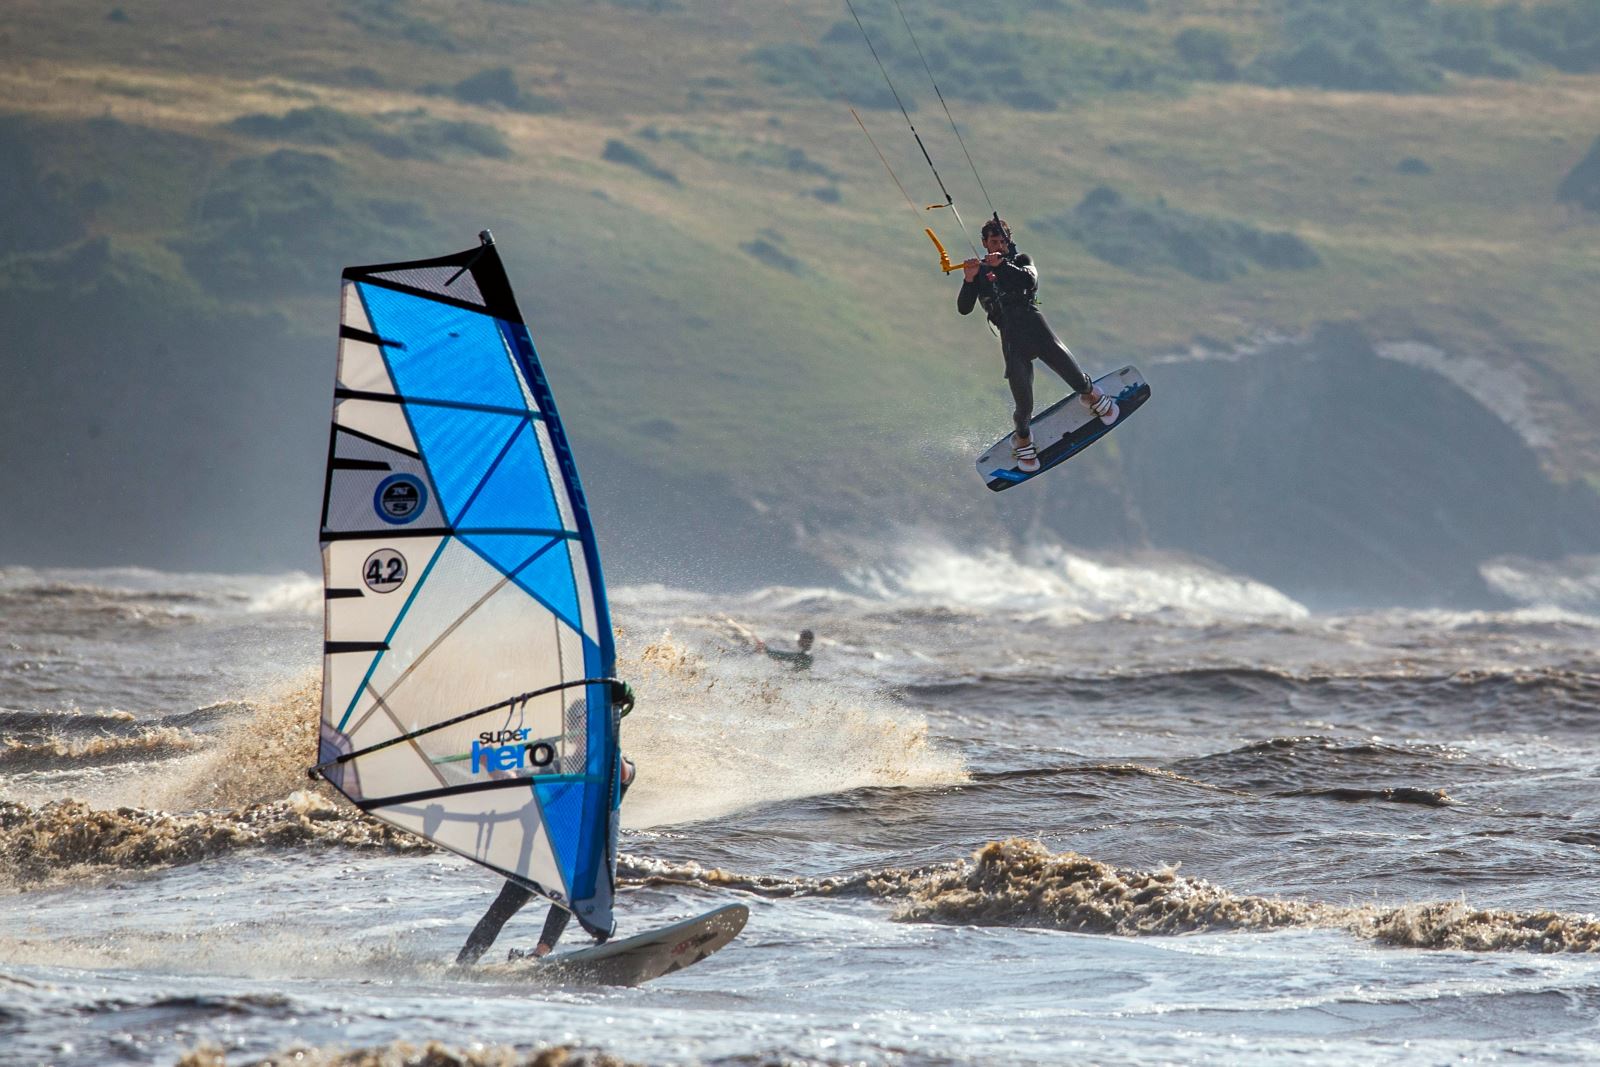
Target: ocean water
{"points": [[1052, 809]]}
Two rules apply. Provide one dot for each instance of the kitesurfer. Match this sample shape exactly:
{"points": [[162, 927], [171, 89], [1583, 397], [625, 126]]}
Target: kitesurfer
{"points": [[800, 659], [1005, 282]]}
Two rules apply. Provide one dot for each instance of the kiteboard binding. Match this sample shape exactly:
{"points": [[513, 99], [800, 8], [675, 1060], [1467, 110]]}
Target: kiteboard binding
{"points": [[1104, 408]]}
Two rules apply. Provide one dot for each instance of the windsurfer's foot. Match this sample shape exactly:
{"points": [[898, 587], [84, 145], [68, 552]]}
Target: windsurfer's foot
{"points": [[1025, 454], [533, 953], [1103, 406]]}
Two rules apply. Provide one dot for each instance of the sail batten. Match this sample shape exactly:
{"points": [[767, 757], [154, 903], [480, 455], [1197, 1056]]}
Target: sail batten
{"points": [[467, 675]]}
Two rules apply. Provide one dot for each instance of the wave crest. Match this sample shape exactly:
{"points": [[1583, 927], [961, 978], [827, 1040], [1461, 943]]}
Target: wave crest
{"points": [[67, 840]]}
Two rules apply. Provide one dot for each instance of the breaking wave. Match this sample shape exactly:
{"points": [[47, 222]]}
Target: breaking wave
{"points": [[68, 840], [428, 1054], [1022, 883], [1069, 586], [148, 743], [1572, 583]]}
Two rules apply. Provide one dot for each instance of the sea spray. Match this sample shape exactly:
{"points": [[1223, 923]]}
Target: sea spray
{"points": [[714, 737], [405, 1054], [1066, 585]]}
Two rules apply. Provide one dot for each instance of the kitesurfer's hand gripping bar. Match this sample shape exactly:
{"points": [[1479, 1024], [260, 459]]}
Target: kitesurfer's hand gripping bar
{"points": [[621, 697]]}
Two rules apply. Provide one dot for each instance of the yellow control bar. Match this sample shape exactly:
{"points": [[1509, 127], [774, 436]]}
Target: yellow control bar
{"points": [[944, 257]]}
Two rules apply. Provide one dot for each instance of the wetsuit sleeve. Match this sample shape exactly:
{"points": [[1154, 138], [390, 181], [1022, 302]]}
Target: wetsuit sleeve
{"points": [[1019, 275], [967, 298]]}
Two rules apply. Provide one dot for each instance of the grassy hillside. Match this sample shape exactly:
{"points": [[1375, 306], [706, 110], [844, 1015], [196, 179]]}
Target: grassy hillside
{"points": [[716, 266]]}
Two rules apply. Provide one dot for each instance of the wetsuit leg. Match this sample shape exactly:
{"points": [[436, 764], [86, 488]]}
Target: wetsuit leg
{"points": [[1058, 357], [1021, 382], [1019, 375], [555, 924], [511, 899]]}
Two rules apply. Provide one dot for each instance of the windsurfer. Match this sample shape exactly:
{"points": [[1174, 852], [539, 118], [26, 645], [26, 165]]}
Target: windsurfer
{"points": [[1005, 282], [511, 900]]}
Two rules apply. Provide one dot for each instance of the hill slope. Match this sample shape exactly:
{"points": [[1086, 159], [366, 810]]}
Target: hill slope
{"points": [[740, 314]]}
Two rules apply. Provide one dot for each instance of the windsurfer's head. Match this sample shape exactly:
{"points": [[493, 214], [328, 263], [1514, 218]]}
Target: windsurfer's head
{"points": [[806, 637]]}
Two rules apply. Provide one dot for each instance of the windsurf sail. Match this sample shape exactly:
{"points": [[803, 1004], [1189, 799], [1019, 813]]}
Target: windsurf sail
{"points": [[467, 690]]}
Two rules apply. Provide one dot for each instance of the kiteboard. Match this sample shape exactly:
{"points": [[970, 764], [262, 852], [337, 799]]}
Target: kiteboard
{"points": [[1064, 429], [635, 960]]}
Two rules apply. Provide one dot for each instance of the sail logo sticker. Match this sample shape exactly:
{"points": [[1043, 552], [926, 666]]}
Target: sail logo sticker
{"points": [[384, 571], [400, 498], [490, 753]]}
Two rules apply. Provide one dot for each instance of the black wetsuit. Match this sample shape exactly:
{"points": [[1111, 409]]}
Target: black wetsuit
{"points": [[1007, 292], [799, 660], [510, 901]]}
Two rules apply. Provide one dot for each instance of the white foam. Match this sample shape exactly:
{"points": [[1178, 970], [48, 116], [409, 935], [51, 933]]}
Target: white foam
{"points": [[1066, 585], [1571, 583], [714, 736], [290, 594]]}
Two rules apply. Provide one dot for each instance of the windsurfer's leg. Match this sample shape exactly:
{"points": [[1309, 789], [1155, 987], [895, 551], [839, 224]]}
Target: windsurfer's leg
{"points": [[511, 899], [555, 924]]}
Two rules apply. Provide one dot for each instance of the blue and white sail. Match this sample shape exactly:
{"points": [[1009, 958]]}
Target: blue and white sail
{"points": [[467, 691]]}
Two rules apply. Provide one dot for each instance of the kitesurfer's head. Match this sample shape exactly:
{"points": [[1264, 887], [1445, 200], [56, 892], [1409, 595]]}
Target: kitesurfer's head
{"points": [[806, 637], [997, 236]]}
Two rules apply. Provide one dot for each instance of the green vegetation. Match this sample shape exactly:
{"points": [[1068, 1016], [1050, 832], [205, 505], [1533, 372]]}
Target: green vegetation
{"points": [[390, 18], [42, 211], [498, 86], [265, 218], [1407, 46], [1056, 52], [765, 249], [1031, 64], [1207, 52], [1564, 34], [1581, 186], [621, 152], [157, 158], [1142, 237], [396, 135], [741, 150]]}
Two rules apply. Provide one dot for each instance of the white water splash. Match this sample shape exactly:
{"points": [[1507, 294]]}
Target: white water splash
{"points": [[715, 736], [1069, 586]]}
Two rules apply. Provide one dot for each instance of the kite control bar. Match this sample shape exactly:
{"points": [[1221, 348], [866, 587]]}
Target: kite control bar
{"points": [[944, 257]]}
